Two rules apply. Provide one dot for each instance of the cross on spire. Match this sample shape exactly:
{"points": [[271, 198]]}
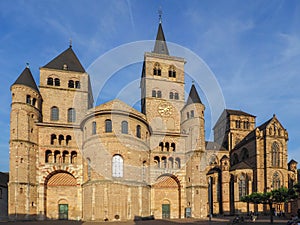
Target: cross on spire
{"points": [[159, 14]]}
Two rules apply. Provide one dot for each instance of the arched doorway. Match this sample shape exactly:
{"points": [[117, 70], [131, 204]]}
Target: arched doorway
{"points": [[166, 197], [61, 196]]}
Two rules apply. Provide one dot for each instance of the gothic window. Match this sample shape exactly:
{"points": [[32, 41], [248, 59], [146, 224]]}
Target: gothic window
{"points": [[71, 84], [124, 127], [94, 127], [171, 95], [275, 155], [56, 82], [242, 186], [138, 131], [108, 126], [54, 113], [276, 180], [117, 166], [28, 100], [71, 115], [244, 154], [49, 81], [157, 69], [77, 84]]}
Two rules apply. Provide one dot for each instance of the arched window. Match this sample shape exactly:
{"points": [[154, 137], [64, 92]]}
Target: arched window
{"points": [[157, 69], [157, 161], [124, 127], [192, 113], [68, 139], [28, 99], [237, 124], [154, 93], [164, 162], [177, 163], [49, 81], [108, 126], [246, 125], [60, 139], [77, 84], [172, 71], [73, 157], [65, 157], [242, 186], [48, 156], [176, 96], [171, 95], [170, 163], [117, 166], [173, 147], [56, 82], [275, 155], [33, 101], [94, 127], [138, 131], [71, 115], [57, 158], [161, 145], [53, 137], [71, 84], [159, 94], [167, 145], [276, 180], [54, 113]]}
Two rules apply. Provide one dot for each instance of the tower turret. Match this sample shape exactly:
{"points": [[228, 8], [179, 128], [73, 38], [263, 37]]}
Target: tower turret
{"points": [[25, 113]]}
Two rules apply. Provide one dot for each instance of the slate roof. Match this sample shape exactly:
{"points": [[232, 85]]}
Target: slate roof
{"points": [[27, 79], [210, 145], [193, 96], [3, 179], [240, 166], [237, 112], [69, 58], [160, 46]]}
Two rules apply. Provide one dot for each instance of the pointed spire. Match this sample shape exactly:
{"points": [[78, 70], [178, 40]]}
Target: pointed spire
{"points": [[66, 61], [27, 79], [160, 46], [193, 96]]}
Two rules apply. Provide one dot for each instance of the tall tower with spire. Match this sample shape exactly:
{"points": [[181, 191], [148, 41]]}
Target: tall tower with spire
{"points": [[25, 113]]}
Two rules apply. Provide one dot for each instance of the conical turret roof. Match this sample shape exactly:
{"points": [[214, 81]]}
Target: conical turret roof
{"points": [[27, 79], [193, 96], [67, 60], [160, 46]]}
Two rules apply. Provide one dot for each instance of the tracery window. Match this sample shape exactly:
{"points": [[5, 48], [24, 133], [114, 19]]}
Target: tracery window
{"points": [[276, 180], [275, 154], [117, 166], [242, 186]]}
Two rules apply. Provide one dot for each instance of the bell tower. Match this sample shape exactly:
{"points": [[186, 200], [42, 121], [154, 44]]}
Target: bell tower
{"points": [[162, 86]]}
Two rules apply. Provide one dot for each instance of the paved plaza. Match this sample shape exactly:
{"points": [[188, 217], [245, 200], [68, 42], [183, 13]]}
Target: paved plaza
{"points": [[215, 221]]}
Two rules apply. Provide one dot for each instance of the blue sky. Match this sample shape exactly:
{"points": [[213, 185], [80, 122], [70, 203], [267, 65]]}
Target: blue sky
{"points": [[252, 47]]}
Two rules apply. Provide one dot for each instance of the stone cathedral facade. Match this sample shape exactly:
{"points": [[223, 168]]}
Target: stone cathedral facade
{"points": [[72, 160]]}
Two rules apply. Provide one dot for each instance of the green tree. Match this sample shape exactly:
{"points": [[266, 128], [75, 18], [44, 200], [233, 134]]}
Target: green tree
{"points": [[280, 195]]}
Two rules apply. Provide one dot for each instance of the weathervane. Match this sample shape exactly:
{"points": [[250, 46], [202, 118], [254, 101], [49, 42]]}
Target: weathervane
{"points": [[70, 43], [159, 14], [27, 65]]}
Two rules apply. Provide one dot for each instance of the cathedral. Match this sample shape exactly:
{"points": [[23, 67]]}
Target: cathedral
{"points": [[70, 159]]}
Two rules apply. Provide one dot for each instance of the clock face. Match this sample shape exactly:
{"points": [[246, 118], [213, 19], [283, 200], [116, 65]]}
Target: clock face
{"points": [[165, 109]]}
